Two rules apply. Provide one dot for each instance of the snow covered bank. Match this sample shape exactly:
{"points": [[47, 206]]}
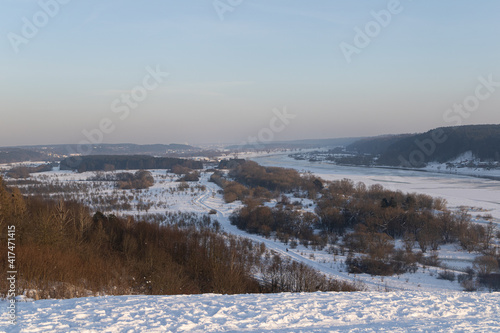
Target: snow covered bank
{"points": [[315, 312]]}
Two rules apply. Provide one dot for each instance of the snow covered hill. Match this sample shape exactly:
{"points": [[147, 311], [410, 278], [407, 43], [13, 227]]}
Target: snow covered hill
{"points": [[313, 312]]}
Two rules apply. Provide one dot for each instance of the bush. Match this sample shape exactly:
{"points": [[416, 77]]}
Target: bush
{"points": [[469, 285], [256, 218], [19, 172], [24, 172], [190, 177], [285, 275], [446, 275], [432, 260], [369, 266], [180, 170], [484, 265], [140, 180], [490, 281], [234, 191], [404, 262]]}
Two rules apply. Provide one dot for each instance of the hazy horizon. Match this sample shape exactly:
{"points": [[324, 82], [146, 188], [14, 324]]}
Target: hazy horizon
{"points": [[229, 143], [338, 69]]}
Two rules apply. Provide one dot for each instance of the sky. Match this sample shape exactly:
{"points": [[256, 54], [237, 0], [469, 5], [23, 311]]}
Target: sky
{"points": [[226, 71]]}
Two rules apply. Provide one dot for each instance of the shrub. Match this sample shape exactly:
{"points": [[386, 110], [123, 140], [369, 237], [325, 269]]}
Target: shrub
{"points": [[490, 281], [446, 275], [285, 275], [469, 285], [18, 172], [180, 170], [484, 265], [190, 177], [369, 265], [431, 260], [234, 191], [140, 180]]}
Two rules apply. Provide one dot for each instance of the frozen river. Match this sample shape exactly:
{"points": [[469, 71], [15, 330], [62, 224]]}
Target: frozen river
{"points": [[479, 193]]}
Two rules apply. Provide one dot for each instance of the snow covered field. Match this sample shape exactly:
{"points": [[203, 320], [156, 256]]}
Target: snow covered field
{"points": [[313, 312]]}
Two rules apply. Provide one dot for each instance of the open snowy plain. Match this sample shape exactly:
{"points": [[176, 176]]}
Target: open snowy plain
{"points": [[312, 312]]}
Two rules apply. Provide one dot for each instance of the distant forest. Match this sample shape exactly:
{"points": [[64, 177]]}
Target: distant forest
{"points": [[56, 152], [12, 155], [439, 145], [125, 162]]}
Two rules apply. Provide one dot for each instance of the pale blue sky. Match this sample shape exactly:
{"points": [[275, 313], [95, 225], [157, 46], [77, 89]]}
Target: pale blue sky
{"points": [[225, 77]]}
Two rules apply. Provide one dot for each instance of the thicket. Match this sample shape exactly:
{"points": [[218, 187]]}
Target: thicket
{"points": [[139, 180], [286, 275], [230, 163], [251, 180], [233, 190], [272, 178], [287, 223], [344, 205], [193, 176], [379, 216], [180, 170], [24, 172]]}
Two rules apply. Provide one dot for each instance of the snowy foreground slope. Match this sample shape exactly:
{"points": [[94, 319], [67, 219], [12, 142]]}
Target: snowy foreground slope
{"points": [[314, 312]]}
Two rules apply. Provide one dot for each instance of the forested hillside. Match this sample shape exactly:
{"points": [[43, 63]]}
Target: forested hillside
{"points": [[438, 145], [12, 155]]}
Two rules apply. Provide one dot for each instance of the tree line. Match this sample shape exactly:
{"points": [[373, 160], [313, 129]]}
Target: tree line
{"points": [[125, 162], [24, 171]]}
